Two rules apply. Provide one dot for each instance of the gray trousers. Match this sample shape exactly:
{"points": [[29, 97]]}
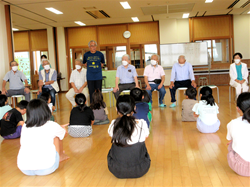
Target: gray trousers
{"points": [[122, 87], [18, 92]]}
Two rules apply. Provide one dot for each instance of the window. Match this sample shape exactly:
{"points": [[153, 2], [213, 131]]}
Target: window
{"points": [[149, 51], [218, 50], [23, 59], [119, 51]]}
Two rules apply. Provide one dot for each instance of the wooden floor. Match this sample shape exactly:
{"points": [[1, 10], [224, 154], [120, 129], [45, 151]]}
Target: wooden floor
{"points": [[180, 155]]}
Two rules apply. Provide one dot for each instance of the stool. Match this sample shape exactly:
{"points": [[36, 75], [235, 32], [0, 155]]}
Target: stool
{"points": [[109, 90], [104, 81], [16, 97], [125, 91], [203, 81], [212, 87], [139, 81], [34, 92], [58, 102], [178, 90], [158, 96], [230, 93]]}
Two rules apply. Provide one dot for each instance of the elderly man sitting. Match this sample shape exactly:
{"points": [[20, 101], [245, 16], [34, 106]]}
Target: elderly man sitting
{"points": [[127, 76], [78, 81], [48, 81], [154, 77], [16, 79], [182, 75]]}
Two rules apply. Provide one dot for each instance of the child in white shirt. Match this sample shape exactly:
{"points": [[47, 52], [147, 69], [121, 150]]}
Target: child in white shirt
{"points": [[238, 131], [206, 111], [41, 141], [128, 156]]}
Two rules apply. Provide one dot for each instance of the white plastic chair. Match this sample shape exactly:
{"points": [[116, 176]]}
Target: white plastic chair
{"points": [[177, 91], [212, 87]]}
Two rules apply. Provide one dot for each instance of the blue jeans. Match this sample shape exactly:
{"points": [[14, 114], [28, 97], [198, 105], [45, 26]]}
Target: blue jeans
{"points": [[155, 87], [52, 92], [44, 171]]}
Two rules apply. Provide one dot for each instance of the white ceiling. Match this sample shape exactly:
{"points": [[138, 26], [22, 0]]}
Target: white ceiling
{"points": [[31, 14]]}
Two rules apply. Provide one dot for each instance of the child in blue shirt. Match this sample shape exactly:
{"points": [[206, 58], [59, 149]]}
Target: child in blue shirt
{"points": [[142, 108], [146, 99], [3, 105]]}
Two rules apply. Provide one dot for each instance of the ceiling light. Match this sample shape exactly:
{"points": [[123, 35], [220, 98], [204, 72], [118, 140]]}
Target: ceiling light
{"points": [[208, 1], [125, 5], [135, 19], [14, 29], [249, 12], [54, 10], [185, 15], [80, 23]]}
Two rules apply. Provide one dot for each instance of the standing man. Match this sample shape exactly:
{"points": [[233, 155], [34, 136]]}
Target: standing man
{"points": [[127, 76], [94, 61], [78, 81], [16, 79], [182, 75], [154, 77], [48, 81]]}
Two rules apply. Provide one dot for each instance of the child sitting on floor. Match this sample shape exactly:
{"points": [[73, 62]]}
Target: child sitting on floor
{"points": [[47, 98], [41, 141], [238, 131], [12, 121], [142, 108], [188, 104], [99, 108], [146, 99], [128, 156], [206, 111], [3, 105], [81, 118]]}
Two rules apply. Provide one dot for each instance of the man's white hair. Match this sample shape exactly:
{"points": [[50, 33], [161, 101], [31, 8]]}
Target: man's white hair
{"points": [[126, 55], [45, 60], [158, 57], [79, 60], [182, 56], [91, 42]]}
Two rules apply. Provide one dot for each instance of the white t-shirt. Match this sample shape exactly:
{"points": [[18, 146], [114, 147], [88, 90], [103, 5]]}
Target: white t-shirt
{"points": [[239, 132], [207, 113], [141, 125], [37, 149]]}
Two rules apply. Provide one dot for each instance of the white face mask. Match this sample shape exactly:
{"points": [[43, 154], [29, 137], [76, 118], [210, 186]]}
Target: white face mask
{"points": [[78, 66], [14, 68], [237, 61], [47, 67], [181, 64], [124, 62], [153, 62]]}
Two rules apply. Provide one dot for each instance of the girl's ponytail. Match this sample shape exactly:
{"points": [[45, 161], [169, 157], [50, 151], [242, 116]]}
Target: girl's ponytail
{"points": [[80, 100], [207, 95], [124, 126], [246, 115]]}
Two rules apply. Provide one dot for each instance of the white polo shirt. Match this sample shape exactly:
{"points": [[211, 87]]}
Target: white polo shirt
{"points": [[238, 130], [78, 78]]}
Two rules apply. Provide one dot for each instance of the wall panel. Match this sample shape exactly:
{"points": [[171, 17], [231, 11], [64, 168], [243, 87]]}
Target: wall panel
{"points": [[21, 41], [80, 36], [111, 34], [142, 33]]}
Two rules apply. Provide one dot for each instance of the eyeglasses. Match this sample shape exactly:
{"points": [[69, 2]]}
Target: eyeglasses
{"points": [[92, 46]]}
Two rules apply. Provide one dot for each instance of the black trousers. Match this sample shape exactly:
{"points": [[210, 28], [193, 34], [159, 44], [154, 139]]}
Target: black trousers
{"points": [[94, 85], [179, 84], [128, 86]]}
